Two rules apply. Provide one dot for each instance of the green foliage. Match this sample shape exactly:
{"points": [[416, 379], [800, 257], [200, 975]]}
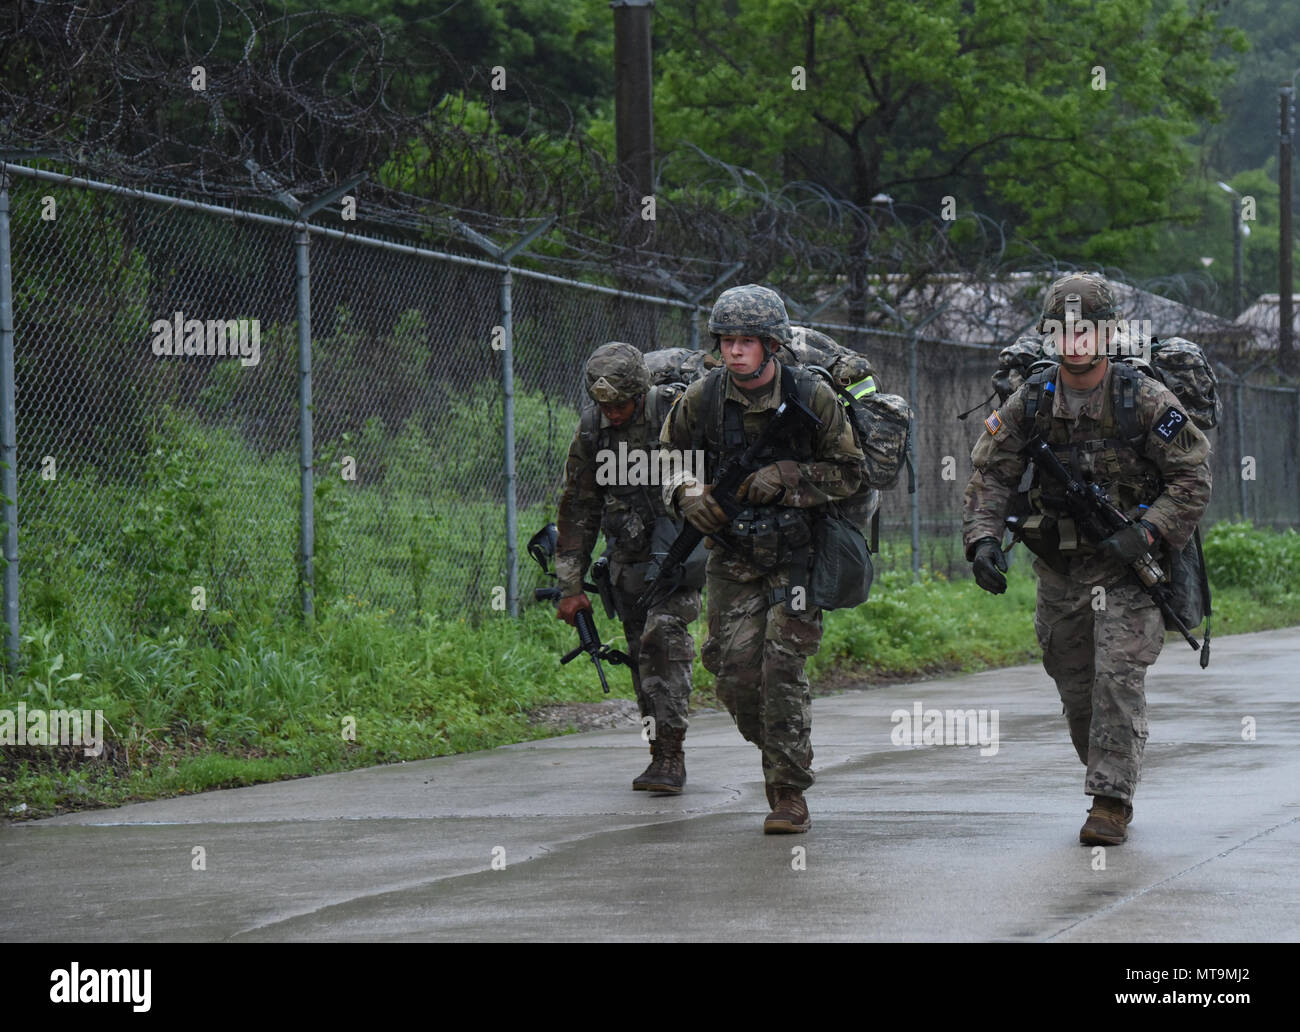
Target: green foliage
{"points": [[272, 698], [992, 103], [1262, 561]]}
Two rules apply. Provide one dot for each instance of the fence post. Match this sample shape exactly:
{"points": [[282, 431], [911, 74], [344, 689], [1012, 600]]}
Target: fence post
{"points": [[914, 500], [8, 434], [505, 255], [307, 528], [512, 475], [1241, 448]]}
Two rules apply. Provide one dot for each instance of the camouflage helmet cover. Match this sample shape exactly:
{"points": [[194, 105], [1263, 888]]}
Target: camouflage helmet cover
{"points": [[1087, 295], [750, 311], [616, 372]]}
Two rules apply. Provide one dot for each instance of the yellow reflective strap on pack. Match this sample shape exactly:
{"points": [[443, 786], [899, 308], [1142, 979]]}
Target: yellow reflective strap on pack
{"points": [[862, 388]]}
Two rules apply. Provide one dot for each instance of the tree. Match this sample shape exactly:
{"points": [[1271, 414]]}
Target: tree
{"points": [[1067, 118]]}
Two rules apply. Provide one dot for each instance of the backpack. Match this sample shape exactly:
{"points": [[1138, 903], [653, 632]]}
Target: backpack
{"points": [[678, 365], [1177, 363]]}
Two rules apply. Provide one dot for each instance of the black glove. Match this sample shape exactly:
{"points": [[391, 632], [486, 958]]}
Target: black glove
{"points": [[989, 565], [1126, 546]]}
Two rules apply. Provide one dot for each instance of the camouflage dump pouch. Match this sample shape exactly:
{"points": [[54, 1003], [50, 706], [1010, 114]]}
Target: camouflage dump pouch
{"points": [[841, 566], [1182, 367]]}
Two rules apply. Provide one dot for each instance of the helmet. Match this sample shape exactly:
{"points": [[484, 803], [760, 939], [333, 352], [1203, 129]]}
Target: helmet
{"points": [[1087, 295], [616, 372], [750, 311], [1078, 296]]}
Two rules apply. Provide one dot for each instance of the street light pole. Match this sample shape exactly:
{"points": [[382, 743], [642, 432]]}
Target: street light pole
{"points": [[1238, 264]]}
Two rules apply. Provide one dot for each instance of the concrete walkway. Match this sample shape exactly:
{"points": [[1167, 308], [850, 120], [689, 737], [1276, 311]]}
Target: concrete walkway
{"points": [[909, 842]]}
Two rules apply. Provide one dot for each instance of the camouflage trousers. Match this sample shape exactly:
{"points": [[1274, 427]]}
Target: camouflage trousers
{"points": [[1097, 647], [659, 643], [758, 652]]}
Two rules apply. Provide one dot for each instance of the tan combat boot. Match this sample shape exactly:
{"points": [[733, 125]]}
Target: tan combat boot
{"points": [[789, 815], [1107, 822], [652, 773], [670, 776]]}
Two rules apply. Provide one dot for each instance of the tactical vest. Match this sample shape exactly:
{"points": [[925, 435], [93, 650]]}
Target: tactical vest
{"points": [[1114, 458], [768, 536], [630, 510], [721, 431]]}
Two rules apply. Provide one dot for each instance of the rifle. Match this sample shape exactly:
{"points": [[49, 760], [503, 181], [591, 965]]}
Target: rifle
{"points": [[541, 547], [1098, 517], [662, 582]]}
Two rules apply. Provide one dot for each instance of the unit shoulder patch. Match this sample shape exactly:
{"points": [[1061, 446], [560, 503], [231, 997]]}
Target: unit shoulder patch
{"points": [[1169, 425]]}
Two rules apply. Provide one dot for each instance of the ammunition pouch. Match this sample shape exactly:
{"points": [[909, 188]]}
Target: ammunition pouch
{"points": [[625, 529], [1041, 536], [768, 536]]}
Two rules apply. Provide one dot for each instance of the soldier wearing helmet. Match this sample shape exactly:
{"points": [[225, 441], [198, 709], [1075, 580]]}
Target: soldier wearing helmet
{"points": [[1098, 630], [617, 434], [759, 635]]}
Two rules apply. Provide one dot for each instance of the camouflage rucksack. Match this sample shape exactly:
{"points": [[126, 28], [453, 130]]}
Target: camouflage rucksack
{"points": [[678, 365], [1177, 363], [809, 347]]}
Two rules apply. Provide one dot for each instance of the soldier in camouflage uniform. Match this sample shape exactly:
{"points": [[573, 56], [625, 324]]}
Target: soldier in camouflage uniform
{"points": [[1098, 630], [760, 633], [630, 413]]}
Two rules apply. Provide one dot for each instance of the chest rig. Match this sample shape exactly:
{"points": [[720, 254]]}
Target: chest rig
{"points": [[630, 509], [1110, 456], [767, 536]]}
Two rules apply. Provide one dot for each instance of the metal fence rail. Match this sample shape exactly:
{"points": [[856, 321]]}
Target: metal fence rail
{"points": [[392, 422]]}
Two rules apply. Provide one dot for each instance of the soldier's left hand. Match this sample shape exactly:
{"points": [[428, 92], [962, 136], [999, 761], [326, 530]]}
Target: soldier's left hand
{"points": [[769, 484], [1126, 546]]}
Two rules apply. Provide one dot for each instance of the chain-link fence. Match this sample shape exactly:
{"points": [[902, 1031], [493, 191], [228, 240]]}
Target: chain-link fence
{"points": [[155, 477]]}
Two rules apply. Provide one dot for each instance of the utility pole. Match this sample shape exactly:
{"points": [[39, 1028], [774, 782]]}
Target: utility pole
{"points": [[1285, 344], [633, 107]]}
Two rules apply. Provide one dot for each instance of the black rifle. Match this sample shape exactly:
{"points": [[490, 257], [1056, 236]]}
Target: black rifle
{"points": [[542, 547], [1098, 518], [727, 479]]}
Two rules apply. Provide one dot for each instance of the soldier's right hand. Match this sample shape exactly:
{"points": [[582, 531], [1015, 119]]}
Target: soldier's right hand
{"points": [[567, 608], [700, 508], [989, 565]]}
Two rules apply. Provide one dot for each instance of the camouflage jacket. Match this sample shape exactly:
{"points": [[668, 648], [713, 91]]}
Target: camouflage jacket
{"points": [[834, 469], [1169, 469], [611, 484]]}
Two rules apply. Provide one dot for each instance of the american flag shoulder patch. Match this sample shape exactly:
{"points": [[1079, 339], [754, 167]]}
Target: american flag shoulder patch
{"points": [[993, 424]]}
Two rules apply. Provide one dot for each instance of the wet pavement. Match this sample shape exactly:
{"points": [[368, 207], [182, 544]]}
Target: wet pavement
{"points": [[547, 841]]}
